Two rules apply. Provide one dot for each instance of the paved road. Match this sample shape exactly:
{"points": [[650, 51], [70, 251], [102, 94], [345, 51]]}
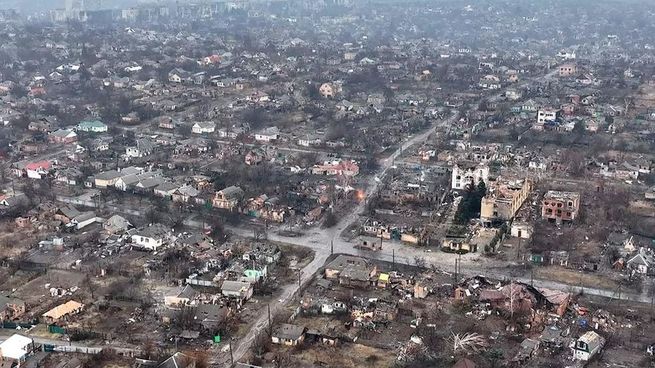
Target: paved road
{"points": [[324, 241], [320, 240]]}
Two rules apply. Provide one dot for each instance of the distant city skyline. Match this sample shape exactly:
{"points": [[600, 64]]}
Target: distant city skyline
{"points": [[34, 6]]}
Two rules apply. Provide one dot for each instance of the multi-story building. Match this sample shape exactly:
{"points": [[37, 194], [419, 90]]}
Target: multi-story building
{"points": [[228, 198], [465, 174], [560, 206], [545, 115], [504, 199], [568, 70], [11, 308]]}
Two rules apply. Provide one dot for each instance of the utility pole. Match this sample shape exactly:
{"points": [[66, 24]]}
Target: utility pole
{"points": [[393, 259], [619, 290], [511, 300], [270, 325], [332, 247], [518, 249], [231, 355], [581, 286], [459, 263]]}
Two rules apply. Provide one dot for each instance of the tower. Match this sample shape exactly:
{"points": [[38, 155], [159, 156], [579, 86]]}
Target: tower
{"points": [[74, 5]]}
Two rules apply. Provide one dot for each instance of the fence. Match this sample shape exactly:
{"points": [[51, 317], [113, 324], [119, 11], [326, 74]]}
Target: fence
{"points": [[54, 329], [15, 325], [77, 349]]}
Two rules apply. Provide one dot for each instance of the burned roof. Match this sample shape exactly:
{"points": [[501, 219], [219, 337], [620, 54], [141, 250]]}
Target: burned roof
{"points": [[552, 335], [69, 211], [234, 286], [561, 196], [187, 293], [5, 301], [343, 261], [356, 272], [211, 313], [617, 238]]}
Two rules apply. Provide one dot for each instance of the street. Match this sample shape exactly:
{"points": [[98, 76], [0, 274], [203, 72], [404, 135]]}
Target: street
{"points": [[325, 241]]}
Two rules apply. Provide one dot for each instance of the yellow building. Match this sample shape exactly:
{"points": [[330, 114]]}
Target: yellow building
{"points": [[503, 200]]}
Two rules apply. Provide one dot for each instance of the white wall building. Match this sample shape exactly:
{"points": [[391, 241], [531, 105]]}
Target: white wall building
{"points": [[151, 237], [464, 175], [268, 135], [203, 127], [16, 348], [587, 346], [546, 115]]}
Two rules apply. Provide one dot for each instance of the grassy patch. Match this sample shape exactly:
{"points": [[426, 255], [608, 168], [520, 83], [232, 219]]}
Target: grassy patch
{"points": [[575, 278]]}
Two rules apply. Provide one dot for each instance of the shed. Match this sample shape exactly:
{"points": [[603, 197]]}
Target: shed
{"points": [[17, 347], [62, 310], [587, 346], [287, 334], [237, 289]]}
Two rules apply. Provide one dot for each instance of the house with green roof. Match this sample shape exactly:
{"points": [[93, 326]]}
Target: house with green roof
{"points": [[92, 126]]}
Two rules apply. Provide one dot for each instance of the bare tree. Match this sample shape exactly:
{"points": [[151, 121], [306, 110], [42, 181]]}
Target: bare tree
{"points": [[262, 344], [282, 359], [468, 343], [184, 318], [90, 285], [201, 358]]}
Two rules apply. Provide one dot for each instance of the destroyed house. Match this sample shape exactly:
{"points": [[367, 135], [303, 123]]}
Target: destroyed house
{"points": [[211, 316], [228, 198], [587, 346], [503, 200], [560, 207], [351, 271], [11, 308], [241, 291]]}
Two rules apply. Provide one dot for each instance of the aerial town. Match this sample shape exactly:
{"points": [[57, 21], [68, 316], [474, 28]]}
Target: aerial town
{"points": [[334, 183]]}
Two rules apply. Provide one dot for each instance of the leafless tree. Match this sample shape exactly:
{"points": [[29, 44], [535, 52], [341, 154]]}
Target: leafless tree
{"points": [[90, 285], [468, 343], [262, 344], [282, 359], [201, 358], [184, 318]]}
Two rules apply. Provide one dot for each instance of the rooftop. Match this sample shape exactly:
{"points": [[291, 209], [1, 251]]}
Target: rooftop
{"points": [[63, 309], [343, 261], [288, 332], [553, 194], [592, 339], [234, 286]]}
